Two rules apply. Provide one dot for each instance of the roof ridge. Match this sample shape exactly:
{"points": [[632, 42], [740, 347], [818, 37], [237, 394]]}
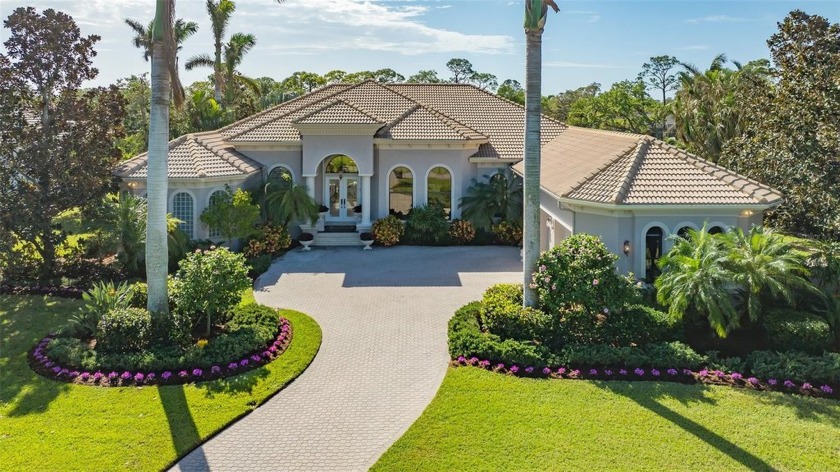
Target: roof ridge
{"points": [[631, 171], [601, 168], [399, 119], [707, 167], [610, 131], [519, 105], [436, 112], [336, 102], [221, 151], [192, 145]]}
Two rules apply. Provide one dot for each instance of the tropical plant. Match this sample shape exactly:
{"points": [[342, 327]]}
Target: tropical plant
{"points": [[234, 52], [764, 263], [291, 204], [268, 239], [535, 15], [101, 299], [231, 213], [461, 231], [388, 230], [508, 233], [695, 276], [498, 198], [143, 35], [203, 111], [427, 224]]}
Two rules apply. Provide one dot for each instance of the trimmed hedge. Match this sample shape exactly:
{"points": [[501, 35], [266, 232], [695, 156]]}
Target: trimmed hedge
{"points": [[798, 331], [502, 314], [673, 355], [638, 325], [795, 365], [124, 330]]}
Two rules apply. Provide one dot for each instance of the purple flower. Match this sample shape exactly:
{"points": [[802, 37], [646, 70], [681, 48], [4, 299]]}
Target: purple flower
{"points": [[85, 375], [546, 371], [736, 376], [272, 349], [622, 372], [97, 376], [789, 384], [593, 371], [266, 354], [74, 373], [125, 375], [672, 372], [529, 370], [575, 373], [472, 360], [514, 369], [166, 375], [561, 370], [233, 366], [215, 370], [608, 372], [687, 372], [484, 363], [772, 382], [197, 372], [807, 386], [752, 381], [150, 376], [183, 374], [49, 364], [638, 371], [243, 362], [112, 375], [654, 372], [703, 373], [255, 358], [718, 373], [139, 377], [826, 389], [56, 370], [462, 359]]}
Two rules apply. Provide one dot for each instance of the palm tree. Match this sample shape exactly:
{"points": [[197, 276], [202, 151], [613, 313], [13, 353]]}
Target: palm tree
{"points": [[220, 12], [499, 197], [694, 276], [143, 35], [535, 15], [291, 203], [234, 51], [764, 262]]}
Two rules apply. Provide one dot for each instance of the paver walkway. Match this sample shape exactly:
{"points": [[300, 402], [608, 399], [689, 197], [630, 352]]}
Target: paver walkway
{"points": [[384, 318]]}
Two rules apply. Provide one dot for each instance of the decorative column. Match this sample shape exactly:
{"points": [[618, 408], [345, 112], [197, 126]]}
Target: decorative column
{"points": [[365, 203], [310, 185]]}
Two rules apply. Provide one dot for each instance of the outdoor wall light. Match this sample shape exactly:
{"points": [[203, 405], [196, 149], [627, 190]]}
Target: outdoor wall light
{"points": [[747, 213], [549, 223], [626, 247]]}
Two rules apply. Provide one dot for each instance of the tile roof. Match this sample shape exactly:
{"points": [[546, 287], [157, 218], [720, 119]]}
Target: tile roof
{"points": [[195, 156], [338, 112], [627, 169]]}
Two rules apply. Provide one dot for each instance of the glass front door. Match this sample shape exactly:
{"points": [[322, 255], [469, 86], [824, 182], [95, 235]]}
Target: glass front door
{"points": [[342, 193]]}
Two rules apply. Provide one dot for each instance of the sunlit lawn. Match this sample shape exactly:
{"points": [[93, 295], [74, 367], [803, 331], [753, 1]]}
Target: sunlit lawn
{"points": [[485, 421], [48, 425]]}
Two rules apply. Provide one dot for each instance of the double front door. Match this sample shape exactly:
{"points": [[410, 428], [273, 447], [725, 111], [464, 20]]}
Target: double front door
{"points": [[342, 193]]}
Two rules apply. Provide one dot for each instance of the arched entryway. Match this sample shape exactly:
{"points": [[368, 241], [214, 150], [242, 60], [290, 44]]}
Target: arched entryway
{"points": [[341, 189]]}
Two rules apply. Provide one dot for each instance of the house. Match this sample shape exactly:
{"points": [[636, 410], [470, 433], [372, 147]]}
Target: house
{"points": [[384, 148]]}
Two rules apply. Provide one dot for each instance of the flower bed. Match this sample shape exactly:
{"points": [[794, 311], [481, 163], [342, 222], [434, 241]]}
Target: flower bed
{"points": [[44, 365], [705, 376]]}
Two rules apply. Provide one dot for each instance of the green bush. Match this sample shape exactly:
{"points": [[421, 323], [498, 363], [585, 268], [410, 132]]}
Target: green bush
{"points": [[502, 314], [427, 224], [101, 299], [138, 295], [795, 365], [261, 318], [208, 285], [508, 233], [638, 325], [124, 330], [259, 265], [798, 331], [268, 239], [674, 355], [461, 232], [388, 231], [466, 339]]}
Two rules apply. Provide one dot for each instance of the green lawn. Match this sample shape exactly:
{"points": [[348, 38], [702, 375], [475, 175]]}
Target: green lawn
{"points": [[485, 421], [48, 425]]}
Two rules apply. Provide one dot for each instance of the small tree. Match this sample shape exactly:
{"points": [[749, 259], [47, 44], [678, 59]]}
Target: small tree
{"points": [[232, 213], [499, 197]]}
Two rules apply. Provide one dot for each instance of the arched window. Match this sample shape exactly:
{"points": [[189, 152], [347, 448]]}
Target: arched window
{"points": [[683, 232], [280, 174], [215, 197], [183, 209], [341, 164], [439, 188], [400, 191], [653, 251], [715, 230]]}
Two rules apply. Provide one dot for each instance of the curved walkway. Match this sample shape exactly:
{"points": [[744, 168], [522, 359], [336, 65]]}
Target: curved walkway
{"points": [[384, 318]]}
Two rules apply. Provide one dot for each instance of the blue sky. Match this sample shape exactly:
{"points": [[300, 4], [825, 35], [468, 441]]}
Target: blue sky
{"points": [[588, 41]]}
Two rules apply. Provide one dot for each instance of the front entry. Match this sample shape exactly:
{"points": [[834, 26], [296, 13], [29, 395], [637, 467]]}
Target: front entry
{"points": [[342, 193]]}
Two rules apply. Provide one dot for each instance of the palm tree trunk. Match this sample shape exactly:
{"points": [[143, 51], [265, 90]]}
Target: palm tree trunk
{"points": [[157, 253], [531, 187]]}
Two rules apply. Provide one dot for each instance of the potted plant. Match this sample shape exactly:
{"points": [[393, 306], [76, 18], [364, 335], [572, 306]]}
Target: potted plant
{"points": [[322, 211], [306, 239], [367, 239], [357, 209]]}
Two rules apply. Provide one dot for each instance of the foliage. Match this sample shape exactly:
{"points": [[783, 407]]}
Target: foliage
{"points": [[499, 197], [792, 139], [59, 143], [261, 318], [208, 284], [461, 231], [427, 76], [502, 314], [797, 331], [232, 213], [795, 365], [508, 233], [269, 239], [579, 275], [124, 329], [100, 300], [694, 277], [427, 224], [512, 90], [143, 35], [388, 230], [657, 75], [626, 106], [258, 265], [637, 325], [673, 355], [291, 203], [558, 106], [467, 339]]}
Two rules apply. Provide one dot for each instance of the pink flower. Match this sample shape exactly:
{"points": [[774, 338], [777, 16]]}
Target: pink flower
{"points": [[514, 369], [546, 371], [595, 282]]}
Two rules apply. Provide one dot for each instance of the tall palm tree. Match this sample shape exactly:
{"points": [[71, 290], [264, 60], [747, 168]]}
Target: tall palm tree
{"points": [[234, 52], [694, 276], [220, 12], [536, 12], [143, 35], [765, 263]]}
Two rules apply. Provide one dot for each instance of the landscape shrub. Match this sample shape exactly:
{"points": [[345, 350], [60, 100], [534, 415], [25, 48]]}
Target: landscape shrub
{"points": [[461, 232], [466, 339], [124, 330], [208, 285], [270, 239], [502, 314], [795, 365], [508, 233], [427, 224], [138, 295], [638, 325], [674, 355], [798, 331], [101, 299], [388, 230], [258, 265], [252, 315]]}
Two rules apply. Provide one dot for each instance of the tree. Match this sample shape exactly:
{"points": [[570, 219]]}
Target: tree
{"points": [[335, 76], [359, 77], [143, 35], [462, 70], [484, 81], [291, 203], [694, 277], [535, 16], [203, 111], [302, 82], [58, 142], [427, 76], [387, 76], [219, 12], [792, 139], [138, 95], [512, 90], [558, 106], [499, 197], [624, 107], [232, 213], [657, 75]]}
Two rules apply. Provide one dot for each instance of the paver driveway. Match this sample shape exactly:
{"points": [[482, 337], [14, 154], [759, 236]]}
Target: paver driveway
{"points": [[384, 317]]}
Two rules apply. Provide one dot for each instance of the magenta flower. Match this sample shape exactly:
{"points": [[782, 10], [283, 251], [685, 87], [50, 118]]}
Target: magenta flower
{"points": [[183, 374], [826, 389], [622, 372], [736, 376], [718, 373], [593, 371], [752, 381], [772, 382], [255, 358], [56, 370], [575, 373], [150, 376], [85, 375], [608, 372], [139, 377], [215, 370], [472, 360], [654, 372], [484, 363], [197, 372], [529, 370], [595, 282], [703, 373], [272, 349], [233, 366], [561, 370], [672, 372], [461, 359], [97, 376], [500, 366], [125, 375], [112, 375], [807, 386], [546, 371], [166, 375], [789, 384], [514, 369], [687, 372], [243, 362], [638, 371], [49, 364]]}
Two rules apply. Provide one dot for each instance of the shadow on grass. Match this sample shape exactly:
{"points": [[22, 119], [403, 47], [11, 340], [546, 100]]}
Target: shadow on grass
{"points": [[24, 320], [242, 383], [185, 435], [806, 408], [647, 398]]}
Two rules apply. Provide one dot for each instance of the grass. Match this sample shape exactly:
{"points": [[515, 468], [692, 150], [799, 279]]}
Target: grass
{"points": [[48, 425], [485, 421]]}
